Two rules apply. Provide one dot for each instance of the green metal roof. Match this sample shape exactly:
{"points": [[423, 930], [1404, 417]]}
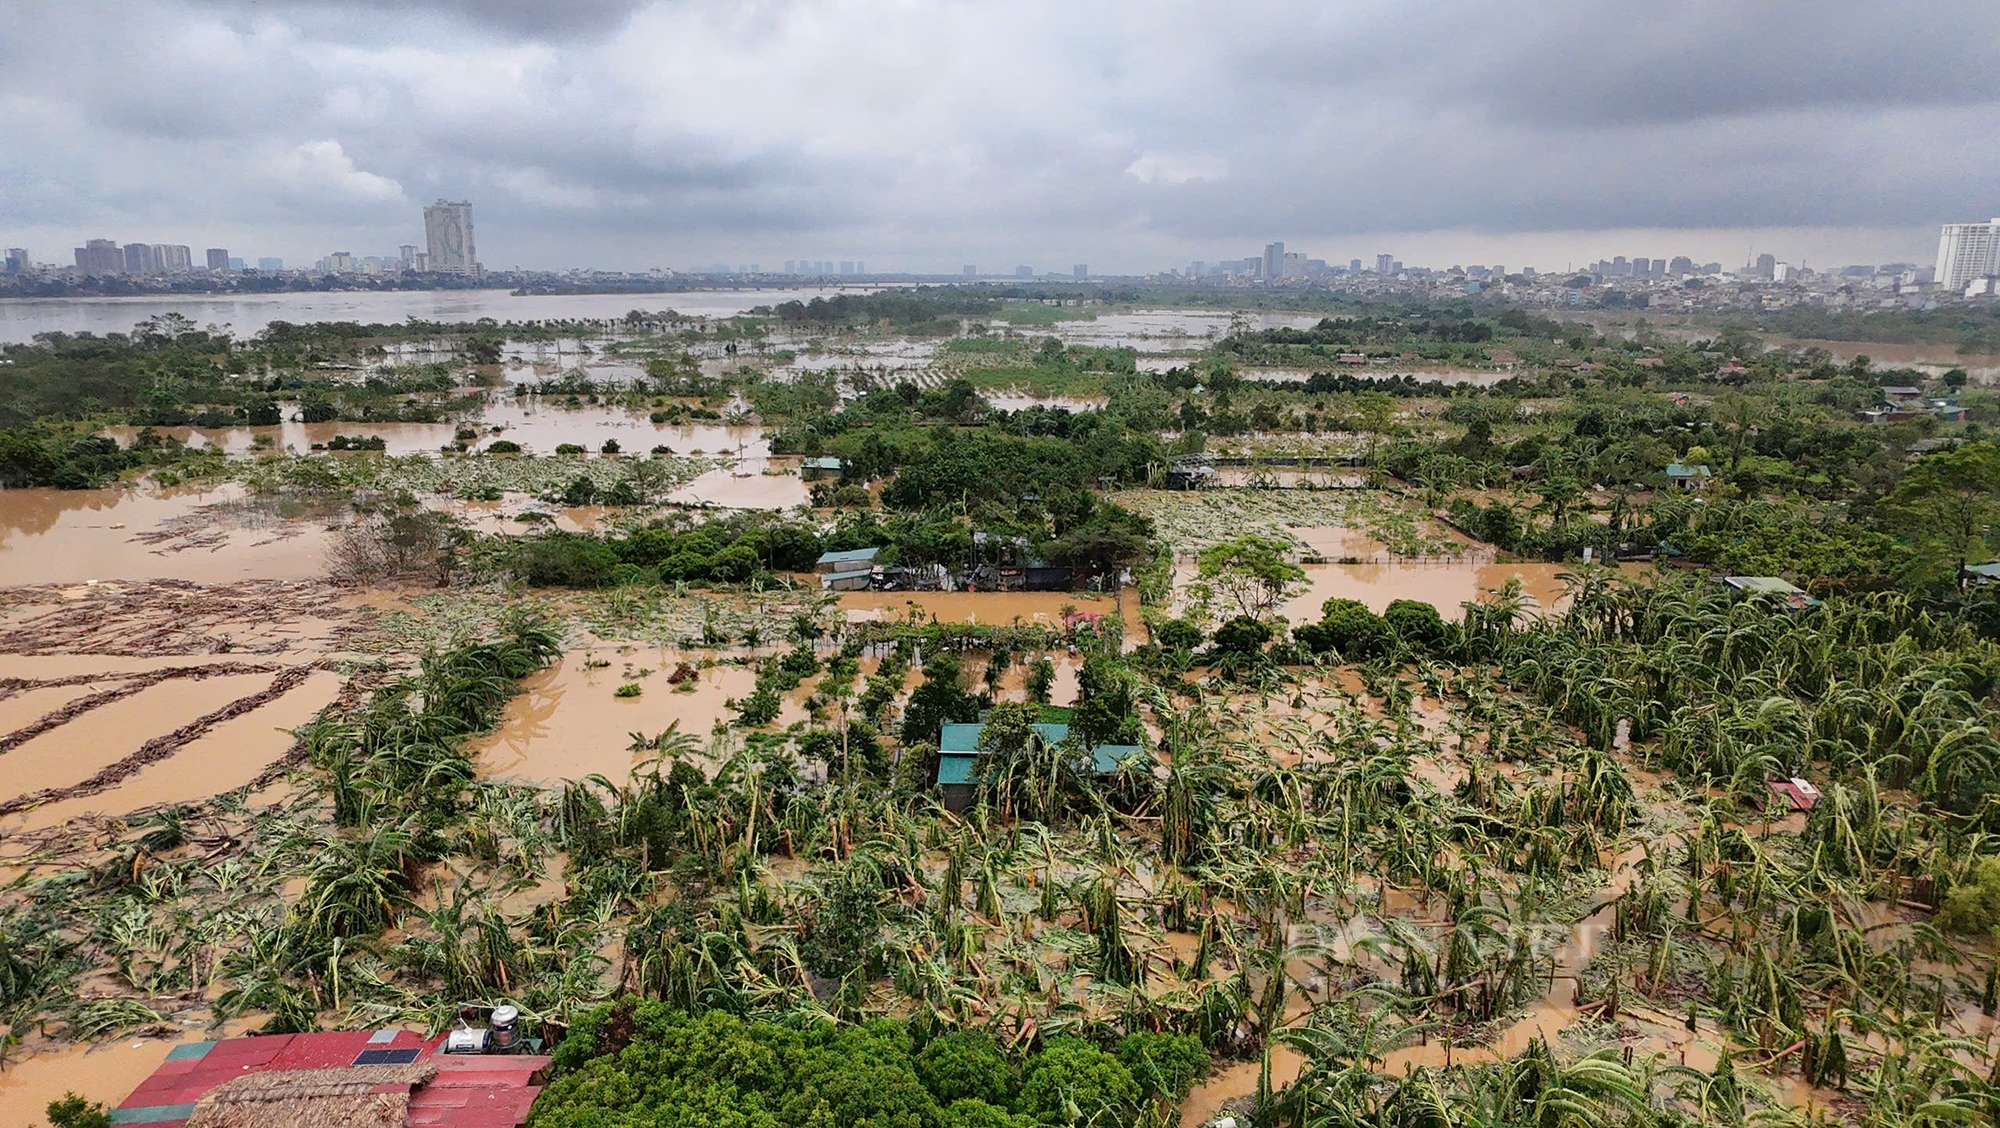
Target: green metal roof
{"points": [[965, 737], [1684, 470], [851, 556], [1105, 757], [957, 769]]}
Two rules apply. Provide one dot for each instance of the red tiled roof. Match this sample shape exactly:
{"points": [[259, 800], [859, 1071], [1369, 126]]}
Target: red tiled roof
{"points": [[469, 1091]]}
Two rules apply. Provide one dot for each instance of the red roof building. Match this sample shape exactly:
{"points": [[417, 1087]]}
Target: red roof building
{"points": [[402, 1077]]}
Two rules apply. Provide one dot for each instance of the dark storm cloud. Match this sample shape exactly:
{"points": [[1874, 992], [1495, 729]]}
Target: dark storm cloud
{"points": [[1124, 130], [1594, 63]]}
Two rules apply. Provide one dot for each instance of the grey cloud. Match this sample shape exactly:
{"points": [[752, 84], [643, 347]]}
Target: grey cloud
{"points": [[1124, 129], [530, 18], [1607, 63]]}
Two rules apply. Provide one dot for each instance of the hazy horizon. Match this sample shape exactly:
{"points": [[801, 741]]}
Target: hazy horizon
{"points": [[919, 137]]}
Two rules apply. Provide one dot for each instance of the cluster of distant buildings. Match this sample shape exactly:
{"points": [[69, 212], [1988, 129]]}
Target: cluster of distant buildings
{"points": [[447, 234]]}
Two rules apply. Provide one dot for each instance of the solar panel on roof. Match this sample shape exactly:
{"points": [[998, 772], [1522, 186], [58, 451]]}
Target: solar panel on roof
{"points": [[388, 1057]]}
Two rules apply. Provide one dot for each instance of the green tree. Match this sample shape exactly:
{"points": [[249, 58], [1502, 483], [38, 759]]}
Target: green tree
{"points": [[1253, 572], [1948, 505]]}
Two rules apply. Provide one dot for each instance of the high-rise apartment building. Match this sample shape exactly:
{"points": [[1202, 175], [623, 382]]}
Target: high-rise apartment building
{"points": [[218, 260], [407, 255], [141, 259], [172, 258], [1354, 266], [271, 264], [448, 230], [340, 262], [969, 270], [1385, 264], [99, 256], [1274, 261], [17, 260], [1967, 251], [1681, 265], [1080, 270]]}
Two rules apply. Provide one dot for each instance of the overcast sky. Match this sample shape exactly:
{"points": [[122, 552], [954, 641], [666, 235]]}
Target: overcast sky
{"points": [[919, 134]]}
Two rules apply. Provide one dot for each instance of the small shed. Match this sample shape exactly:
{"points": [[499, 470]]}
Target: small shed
{"points": [[1783, 590], [853, 579], [847, 560], [1688, 476], [959, 754], [826, 466], [1983, 573]]}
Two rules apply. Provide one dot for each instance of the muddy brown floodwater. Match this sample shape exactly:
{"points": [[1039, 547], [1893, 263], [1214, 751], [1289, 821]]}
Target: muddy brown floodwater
{"points": [[106, 1073], [229, 756], [993, 608], [1444, 583], [75, 536], [538, 426], [566, 724]]}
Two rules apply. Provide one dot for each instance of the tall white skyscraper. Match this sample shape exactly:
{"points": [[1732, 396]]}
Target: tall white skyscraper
{"points": [[448, 230], [1967, 251], [1274, 261]]}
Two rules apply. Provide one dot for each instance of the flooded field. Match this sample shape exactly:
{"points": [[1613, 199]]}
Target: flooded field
{"points": [[568, 723], [121, 698], [145, 532], [1447, 584], [538, 426], [247, 314], [991, 608]]}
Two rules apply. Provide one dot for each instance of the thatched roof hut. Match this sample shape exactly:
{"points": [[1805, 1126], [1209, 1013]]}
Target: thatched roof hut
{"points": [[365, 1096]]}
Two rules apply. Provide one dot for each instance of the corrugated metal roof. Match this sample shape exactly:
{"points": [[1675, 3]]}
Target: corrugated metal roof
{"points": [[1105, 757], [959, 738], [958, 769], [849, 556], [469, 1091]]}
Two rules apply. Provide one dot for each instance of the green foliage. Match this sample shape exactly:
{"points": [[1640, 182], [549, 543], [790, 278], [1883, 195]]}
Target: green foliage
{"points": [[1243, 634], [1253, 572], [967, 1066], [1164, 1065], [1041, 680], [1973, 905], [1417, 625], [1349, 629], [635, 1063], [73, 1111], [629, 689], [1072, 1082]]}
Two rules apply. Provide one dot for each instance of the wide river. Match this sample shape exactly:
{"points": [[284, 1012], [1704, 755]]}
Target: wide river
{"points": [[247, 314]]}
